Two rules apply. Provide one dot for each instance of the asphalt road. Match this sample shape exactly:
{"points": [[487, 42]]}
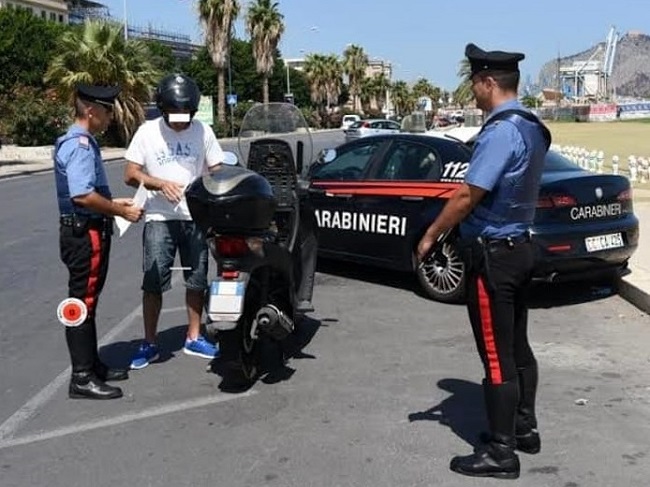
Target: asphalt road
{"points": [[383, 390]]}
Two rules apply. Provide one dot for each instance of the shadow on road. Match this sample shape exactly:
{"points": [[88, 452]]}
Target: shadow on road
{"points": [[365, 273], [463, 412], [541, 295], [568, 294], [272, 359], [170, 341]]}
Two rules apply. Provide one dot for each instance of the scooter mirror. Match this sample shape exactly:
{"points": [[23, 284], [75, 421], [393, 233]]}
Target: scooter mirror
{"points": [[328, 155], [230, 158]]}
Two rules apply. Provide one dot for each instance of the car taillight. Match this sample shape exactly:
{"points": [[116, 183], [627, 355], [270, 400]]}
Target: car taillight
{"points": [[228, 246], [625, 195], [556, 201]]}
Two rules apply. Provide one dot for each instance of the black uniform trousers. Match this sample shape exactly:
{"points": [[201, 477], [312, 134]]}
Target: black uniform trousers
{"points": [[499, 274], [84, 249]]}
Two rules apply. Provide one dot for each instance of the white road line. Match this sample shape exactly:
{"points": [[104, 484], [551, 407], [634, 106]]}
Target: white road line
{"points": [[27, 410], [124, 418]]}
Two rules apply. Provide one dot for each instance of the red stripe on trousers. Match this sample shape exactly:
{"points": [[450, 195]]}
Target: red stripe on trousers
{"points": [[488, 334], [95, 261]]}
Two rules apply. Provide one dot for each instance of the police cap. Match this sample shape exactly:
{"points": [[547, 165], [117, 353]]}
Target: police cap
{"points": [[104, 95], [481, 60]]}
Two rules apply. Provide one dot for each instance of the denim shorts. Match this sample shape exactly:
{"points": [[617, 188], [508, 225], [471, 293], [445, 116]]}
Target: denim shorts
{"points": [[161, 240]]}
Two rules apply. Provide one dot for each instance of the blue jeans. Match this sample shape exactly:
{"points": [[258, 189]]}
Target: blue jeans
{"points": [[161, 240]]}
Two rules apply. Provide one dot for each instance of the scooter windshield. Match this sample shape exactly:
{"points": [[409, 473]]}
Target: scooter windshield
{"points": [[282, 121]]}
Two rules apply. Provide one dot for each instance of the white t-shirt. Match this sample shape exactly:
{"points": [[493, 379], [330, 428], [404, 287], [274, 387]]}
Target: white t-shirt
{"points": [[174, 156]]}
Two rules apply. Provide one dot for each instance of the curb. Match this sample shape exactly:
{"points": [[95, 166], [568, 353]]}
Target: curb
{"points": [[632, 288]]}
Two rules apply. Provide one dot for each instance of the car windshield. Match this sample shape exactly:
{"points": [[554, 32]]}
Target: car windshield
{"points": [[556, 162]]}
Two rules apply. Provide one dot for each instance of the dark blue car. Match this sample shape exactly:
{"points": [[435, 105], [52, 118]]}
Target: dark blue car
{"points": [[375, 197]]}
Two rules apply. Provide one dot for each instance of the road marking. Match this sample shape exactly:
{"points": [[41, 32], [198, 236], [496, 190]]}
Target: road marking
{"points": [[27, 410], [124, 418]]}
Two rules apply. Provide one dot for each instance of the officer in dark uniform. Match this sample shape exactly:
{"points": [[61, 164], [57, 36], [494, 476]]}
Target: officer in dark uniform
{"points": [[86, 223], [495, 206]]}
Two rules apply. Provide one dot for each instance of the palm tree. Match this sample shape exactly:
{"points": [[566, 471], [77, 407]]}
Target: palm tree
{"points": [[98, 54], [218, 17], [402, 97], [333, 79], [315, 71], [355, 62], [382, 84], [463, 94], [265, 26]]}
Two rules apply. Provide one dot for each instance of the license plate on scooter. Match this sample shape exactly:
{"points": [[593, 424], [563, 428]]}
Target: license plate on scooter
{"points": [[226, 299]]}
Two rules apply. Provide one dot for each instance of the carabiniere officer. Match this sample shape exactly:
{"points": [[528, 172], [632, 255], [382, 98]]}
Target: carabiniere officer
{"points": [[495, 207], [86, 222]]}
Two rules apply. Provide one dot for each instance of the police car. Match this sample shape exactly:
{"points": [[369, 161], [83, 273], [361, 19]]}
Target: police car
{"points": [[375, 197]]}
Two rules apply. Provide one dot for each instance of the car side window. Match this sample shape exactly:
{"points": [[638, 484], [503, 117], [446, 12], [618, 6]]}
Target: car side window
{"points": [[409, 161], [348, 164], [455, 162]]}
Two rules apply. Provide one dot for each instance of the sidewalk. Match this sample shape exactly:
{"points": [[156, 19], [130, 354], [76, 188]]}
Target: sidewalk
{"points": [[635, 287], [38, 159]]}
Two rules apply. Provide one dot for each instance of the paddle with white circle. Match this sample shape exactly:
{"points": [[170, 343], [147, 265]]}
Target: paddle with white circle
{"points": [[72, 312]]}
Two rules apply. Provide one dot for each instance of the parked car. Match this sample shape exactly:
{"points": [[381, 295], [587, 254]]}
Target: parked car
{"points": [[348, 120], [375, 126], [375, 197]]}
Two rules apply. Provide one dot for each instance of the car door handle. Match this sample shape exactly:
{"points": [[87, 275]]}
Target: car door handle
{"points": [[412, 198]]}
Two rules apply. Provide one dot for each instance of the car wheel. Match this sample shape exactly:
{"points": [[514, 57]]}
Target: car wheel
{"points": [[442, 277]]}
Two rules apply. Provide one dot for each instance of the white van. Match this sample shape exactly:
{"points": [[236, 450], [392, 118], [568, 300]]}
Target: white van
{"points": [[349, 120]]}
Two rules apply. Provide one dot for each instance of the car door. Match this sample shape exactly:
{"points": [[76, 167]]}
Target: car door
{"points": [[408, 194], [333, 187]]}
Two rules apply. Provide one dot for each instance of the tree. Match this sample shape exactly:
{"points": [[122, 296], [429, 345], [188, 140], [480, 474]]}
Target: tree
{"points": [[246, 81], [265, 25], [98, 54], [218, 17], [463, 94], [355, 62], [27, 43], [162, 56]]}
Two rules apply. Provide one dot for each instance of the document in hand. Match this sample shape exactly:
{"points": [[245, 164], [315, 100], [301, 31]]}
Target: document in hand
{"points": [[139, 200]]}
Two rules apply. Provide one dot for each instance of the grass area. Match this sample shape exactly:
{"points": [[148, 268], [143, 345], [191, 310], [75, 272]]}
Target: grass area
{"points": [[621, 138]]}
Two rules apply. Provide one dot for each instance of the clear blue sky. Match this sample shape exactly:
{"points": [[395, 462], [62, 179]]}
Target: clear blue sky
{"points": [[423, 37]]}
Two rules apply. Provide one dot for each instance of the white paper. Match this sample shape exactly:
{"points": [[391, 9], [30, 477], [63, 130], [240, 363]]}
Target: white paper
{"points": [[139, 200]]}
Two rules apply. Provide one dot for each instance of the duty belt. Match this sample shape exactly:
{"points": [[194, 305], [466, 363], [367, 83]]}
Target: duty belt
{"points": [[100, 222], [507, 242]]}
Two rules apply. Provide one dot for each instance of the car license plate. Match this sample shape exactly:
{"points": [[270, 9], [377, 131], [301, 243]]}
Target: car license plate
{"points": [[604, 242]]}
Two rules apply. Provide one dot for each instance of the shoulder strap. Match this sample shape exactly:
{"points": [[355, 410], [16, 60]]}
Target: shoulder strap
{"points": [[509, 115]]}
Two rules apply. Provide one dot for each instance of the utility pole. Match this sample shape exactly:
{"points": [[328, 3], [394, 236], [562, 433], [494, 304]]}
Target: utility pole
{"points": [[232, 126], [559, 88], [126, 24]]}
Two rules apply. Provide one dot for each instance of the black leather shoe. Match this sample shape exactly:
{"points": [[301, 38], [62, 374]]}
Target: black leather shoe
{"points": [[107, 374], [85, 385], [530, 442], [490, 461]]}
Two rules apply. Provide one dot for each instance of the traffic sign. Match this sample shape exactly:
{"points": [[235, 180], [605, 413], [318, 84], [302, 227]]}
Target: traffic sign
{"points": [[231, 99]]}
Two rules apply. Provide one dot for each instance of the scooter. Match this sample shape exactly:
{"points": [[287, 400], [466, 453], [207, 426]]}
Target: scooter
{"points": [[250, 217]]}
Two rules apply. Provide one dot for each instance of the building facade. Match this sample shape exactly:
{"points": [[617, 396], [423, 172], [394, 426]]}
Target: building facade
{"points": [[53, 10]]}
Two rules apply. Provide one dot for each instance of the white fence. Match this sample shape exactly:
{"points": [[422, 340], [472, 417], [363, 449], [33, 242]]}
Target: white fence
{"points": [[636, 169]]}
